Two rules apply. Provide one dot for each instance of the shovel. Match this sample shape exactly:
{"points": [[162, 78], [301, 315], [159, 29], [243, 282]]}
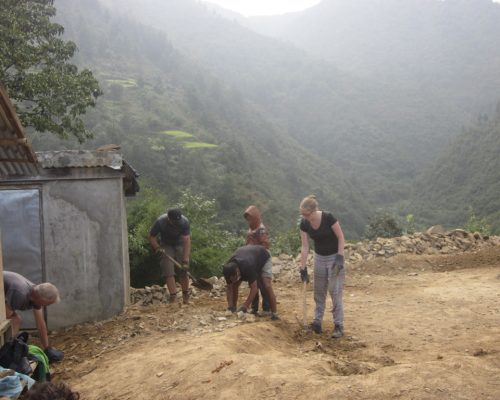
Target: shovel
{"points": [[304, 304], [201, 283]]}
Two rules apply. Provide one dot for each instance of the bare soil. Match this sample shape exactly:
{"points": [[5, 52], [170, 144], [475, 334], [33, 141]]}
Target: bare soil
{"points": [[417, 327]]}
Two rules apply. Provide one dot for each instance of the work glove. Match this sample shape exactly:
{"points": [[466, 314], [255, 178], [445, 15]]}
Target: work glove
{"points": [[160, 252], [232, 309], [339, 260], [338, 264], [243, 309], [304, 276], [53, 354]]}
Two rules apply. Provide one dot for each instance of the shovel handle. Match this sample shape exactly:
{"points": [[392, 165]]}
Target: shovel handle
{"points": [[175, 262], [304, 303]]}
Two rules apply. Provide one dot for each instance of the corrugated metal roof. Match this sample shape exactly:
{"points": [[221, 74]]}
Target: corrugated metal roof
{"points": [[16, 155], [80, 159]]}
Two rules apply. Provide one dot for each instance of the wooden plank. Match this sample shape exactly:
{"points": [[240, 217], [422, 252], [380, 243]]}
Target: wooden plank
{"points": [[2, 294], [14, 142]]}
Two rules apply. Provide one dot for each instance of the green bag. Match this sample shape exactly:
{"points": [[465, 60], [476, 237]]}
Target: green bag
{"points": [[42, 371]]}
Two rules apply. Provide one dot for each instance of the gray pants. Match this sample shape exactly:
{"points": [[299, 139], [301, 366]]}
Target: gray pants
{"points": [[327, 278]]}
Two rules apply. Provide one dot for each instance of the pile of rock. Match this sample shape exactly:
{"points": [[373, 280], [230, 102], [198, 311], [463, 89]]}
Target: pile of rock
{"points": [[434, 241]]}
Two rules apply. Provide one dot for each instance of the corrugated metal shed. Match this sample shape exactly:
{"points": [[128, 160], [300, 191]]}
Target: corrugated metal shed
{"points": [[16, 155]]}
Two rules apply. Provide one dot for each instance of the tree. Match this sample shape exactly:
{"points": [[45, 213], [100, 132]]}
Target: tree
{"points": [[49, 93]]}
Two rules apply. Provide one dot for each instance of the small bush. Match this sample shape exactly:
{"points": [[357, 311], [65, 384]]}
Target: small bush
{"points": [[383, 225]]}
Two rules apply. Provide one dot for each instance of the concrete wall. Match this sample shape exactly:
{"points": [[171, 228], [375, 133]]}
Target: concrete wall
{"points": [[85, 249]]}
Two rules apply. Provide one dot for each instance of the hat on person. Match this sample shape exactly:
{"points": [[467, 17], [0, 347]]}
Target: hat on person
{"points": [[174, 214]]}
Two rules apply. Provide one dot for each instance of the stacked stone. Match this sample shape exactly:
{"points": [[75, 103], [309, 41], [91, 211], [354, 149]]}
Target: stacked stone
{"points": [[434, 241]]}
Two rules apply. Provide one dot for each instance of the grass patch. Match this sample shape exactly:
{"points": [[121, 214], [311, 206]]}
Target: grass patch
{"points": [[197, 145], [124, 82], [177, 134]]}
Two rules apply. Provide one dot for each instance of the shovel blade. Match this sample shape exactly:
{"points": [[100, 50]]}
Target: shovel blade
{"points": [[201, 283]]}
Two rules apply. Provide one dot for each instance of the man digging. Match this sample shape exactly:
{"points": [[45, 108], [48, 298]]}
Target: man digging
{"points": [[175, 239], [249, 263]]}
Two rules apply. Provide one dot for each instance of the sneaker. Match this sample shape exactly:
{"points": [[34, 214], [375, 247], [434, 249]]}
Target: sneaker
{"points": [[338, 332], [185, 298], [316, 327], [274, 317], [172, 298]]}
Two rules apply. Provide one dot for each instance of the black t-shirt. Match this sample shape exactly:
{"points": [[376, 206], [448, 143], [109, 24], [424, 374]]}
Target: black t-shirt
{"points": [[325, 241], [250, 259], [170, 234]]}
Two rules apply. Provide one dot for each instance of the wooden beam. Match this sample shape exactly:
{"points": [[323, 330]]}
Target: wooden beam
{"points": [[13, 142], [16, 160]]}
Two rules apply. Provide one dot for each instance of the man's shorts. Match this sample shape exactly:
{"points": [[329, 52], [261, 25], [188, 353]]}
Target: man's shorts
{"points": [[267, 269], [168, 268]]}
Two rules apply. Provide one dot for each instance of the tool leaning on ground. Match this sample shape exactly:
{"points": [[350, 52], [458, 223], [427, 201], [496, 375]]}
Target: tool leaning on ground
{"points": [[304, 277], [199, 283]]}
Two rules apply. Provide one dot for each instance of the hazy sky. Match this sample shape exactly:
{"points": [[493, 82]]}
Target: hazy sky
{"points": [[264, 7], [267, 7]]}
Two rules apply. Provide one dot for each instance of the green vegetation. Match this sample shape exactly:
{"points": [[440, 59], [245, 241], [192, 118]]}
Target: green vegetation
{"points": [[465, 178], [123, 82], [197, 145], [286, 242], [178, 134], [283, 124], [475, 224], [49, 93], [383, 225], [211, 245]]}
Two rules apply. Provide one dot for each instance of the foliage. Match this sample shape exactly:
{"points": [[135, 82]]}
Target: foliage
{"points": [[410, 224], [465, 177], [383, 225], [287, 242], [475, 224], [141, 213], [49, 93], [211, 245]]}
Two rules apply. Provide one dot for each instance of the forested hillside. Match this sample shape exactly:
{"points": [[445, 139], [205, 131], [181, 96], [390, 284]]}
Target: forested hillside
{"points": [[382, 127], [155, 97], [465, 179], [372, 98], [447, 50]]}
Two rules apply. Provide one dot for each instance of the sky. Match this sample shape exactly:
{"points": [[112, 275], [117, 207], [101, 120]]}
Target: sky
{"points": [[267, 7], [264, 7]]}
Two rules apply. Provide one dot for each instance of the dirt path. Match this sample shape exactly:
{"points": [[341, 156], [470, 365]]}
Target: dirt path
{"points": [[417, 327]]}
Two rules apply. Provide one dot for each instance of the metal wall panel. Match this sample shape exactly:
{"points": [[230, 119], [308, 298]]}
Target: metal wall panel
{"points": [[20, 224]]}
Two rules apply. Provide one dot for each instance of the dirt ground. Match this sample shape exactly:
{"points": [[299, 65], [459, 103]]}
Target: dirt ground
{"points": [[417, 327]]}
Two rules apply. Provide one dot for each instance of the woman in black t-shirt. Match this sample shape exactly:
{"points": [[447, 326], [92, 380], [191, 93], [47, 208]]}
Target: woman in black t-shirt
{"points": [[329, 274]]}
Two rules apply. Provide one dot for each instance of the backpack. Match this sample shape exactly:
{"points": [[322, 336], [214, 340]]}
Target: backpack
{"points": [[14, 354]]}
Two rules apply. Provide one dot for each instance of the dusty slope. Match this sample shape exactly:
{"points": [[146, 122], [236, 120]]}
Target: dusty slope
{"points": [[417, 327]]}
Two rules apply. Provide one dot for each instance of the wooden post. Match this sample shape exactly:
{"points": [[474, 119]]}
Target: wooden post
{"points": [[2, 294], [5, 329]]}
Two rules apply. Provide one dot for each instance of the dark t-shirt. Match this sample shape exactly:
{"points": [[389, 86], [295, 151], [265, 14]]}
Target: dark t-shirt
{"points": [[325, 241], [17, 291], [170, 234], [250, 259]]}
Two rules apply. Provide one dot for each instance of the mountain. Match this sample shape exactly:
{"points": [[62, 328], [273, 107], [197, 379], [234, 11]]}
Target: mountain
{"points": [[449, 49], [380, 133], [465, 178], [183, 127], [351, 100]]}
